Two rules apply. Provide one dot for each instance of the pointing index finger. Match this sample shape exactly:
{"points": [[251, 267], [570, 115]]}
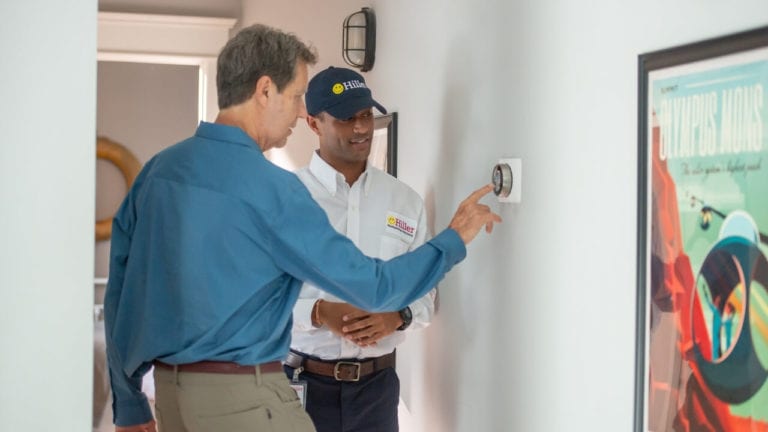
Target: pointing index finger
{"points": [[476, 195]]}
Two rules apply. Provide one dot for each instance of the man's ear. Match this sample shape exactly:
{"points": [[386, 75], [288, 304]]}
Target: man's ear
{"points": [[312, 123], [264, 90]]}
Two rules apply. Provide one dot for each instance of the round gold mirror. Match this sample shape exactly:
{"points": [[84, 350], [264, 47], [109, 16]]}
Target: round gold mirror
{"points": [[128, 165]]}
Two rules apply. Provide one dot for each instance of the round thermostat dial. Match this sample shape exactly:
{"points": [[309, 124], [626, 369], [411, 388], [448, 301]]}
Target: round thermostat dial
{"points": [[502, 180]]}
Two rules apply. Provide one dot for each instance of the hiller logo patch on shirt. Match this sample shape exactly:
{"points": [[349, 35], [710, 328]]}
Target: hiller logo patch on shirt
{"points": [[401, 224]]}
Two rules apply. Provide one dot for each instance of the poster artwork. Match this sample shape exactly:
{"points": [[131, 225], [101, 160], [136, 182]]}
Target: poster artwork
{"points": [[707, 285]]}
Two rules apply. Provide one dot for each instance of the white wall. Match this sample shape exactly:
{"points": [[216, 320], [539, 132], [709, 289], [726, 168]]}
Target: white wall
{"points": [[48, 112], [536, 328]]}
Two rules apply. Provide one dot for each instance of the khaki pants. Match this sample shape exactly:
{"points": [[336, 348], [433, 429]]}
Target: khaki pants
{"points": [[205, 402]]}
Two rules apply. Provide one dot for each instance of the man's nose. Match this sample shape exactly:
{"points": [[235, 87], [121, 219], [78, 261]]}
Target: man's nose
{"points": [[302, 110], [360, 125]]}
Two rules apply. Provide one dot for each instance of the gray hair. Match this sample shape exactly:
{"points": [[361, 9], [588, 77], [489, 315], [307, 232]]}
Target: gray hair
{"points": [[258, 51]]}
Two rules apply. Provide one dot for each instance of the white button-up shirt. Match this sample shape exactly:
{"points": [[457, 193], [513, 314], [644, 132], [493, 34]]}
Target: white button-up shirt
{"points": [[385, 218]]}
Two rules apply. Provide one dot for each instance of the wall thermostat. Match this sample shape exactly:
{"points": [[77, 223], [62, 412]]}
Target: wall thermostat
{"points": [[506, 177], [502, 180]]}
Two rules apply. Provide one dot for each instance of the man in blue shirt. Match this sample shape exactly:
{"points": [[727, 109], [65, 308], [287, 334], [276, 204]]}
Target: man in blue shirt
{"points": [[210, 247]]}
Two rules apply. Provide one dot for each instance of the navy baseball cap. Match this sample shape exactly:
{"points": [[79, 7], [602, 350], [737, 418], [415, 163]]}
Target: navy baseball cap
{"points": [[340, 92]]}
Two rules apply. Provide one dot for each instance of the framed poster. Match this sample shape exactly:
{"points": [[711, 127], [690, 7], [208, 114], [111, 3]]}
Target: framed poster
{"points": [[384, 144], [702, 282]]}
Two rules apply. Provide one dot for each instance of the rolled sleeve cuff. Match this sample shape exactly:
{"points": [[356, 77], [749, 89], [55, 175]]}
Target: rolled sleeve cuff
{"points": [[132, 413], [450, 243]]}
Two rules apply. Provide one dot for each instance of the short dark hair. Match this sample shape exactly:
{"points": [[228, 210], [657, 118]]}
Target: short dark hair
{"points": [[258, 51]]}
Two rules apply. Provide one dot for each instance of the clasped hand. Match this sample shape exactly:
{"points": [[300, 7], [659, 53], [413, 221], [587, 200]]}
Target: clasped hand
{"points": [[356, 325]]}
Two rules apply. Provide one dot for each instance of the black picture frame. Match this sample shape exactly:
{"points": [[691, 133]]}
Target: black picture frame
{"points": [[384, 144], [698, 160]]}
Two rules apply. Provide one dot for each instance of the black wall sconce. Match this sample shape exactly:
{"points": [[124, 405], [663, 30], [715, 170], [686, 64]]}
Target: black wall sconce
{"points": [[359, 39]]}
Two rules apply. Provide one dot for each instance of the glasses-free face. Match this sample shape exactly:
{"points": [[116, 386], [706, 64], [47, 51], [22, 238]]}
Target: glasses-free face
{"points": [[345, 143], [285, 108]]}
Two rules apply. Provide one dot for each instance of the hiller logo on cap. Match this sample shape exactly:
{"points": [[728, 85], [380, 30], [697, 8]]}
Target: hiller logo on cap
{"points": [[339, 88]]}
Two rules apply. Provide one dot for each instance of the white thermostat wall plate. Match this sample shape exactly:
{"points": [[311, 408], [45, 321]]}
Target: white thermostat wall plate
{"points": [[507, 179]]}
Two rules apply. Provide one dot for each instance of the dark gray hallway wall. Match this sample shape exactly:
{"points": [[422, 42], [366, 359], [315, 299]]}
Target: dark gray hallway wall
{"points": [[145, 107]]}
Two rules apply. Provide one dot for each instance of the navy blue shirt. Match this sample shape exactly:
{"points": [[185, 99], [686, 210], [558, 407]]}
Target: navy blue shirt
{"points": [[208, 253]]}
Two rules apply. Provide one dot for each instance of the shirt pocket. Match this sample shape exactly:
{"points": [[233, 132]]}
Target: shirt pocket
{"points": [[391, 247]]}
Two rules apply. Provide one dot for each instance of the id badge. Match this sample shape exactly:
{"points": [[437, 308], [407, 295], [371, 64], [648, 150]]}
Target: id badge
{"points": [[300, 387]]}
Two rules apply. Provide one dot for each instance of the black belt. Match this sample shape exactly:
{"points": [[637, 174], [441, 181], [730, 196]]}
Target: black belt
{"points": [[341, 370]]}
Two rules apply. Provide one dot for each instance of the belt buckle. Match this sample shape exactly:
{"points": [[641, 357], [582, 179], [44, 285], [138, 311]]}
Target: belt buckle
{"points": [[346, 363]]}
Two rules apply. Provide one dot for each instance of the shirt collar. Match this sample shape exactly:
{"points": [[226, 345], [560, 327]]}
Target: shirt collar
{"points": [[330, 178], [221, 132]]}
